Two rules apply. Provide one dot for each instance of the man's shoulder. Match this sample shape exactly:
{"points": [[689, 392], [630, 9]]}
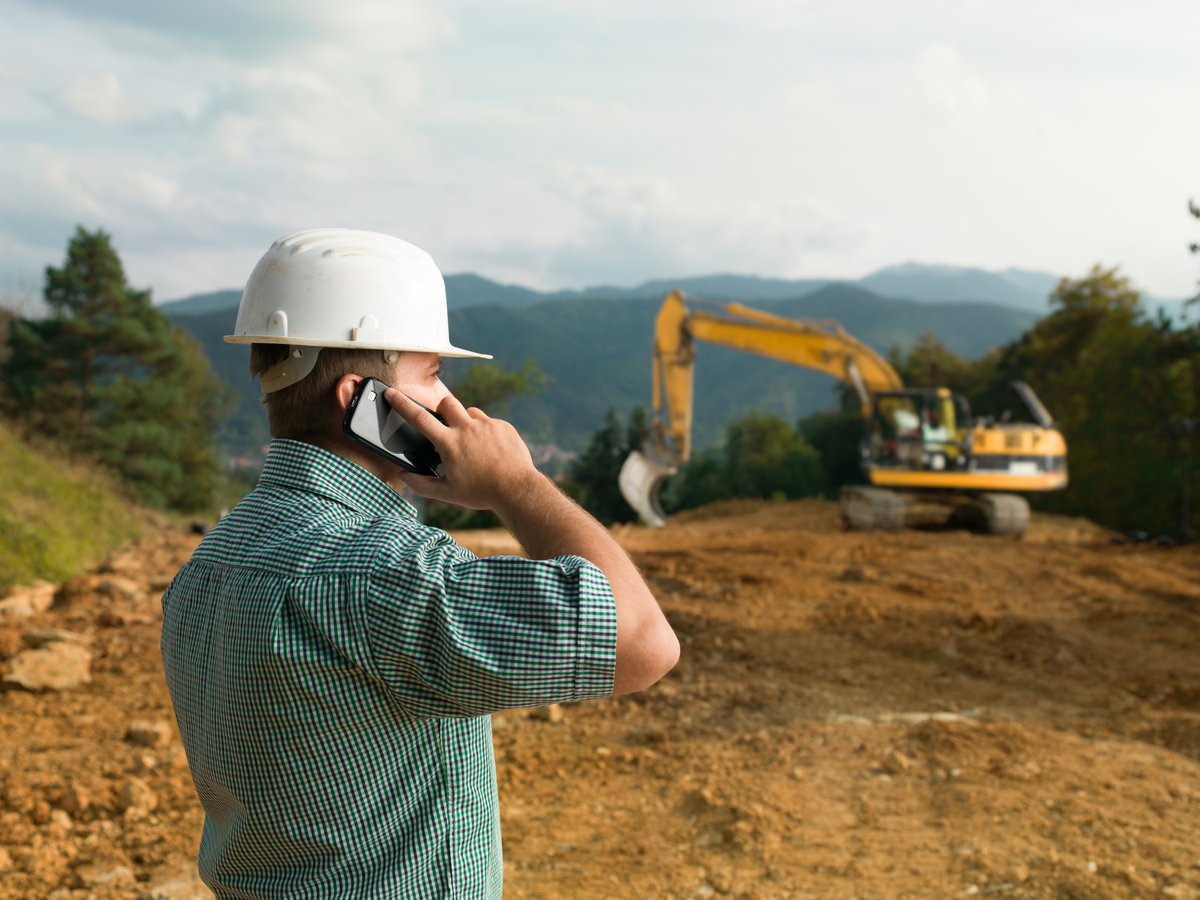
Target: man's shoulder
{"points": [[294, 533]]}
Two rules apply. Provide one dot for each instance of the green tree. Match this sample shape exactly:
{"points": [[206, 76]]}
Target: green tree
{"points": [[1195, 245], [592, 477], [1119, 386], [703, 480], [837, 438], [766, 458], [762, 457], [106, 375], [930, 363], [491, 387]]}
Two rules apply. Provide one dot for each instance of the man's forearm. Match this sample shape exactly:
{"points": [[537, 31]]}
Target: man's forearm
{"points": [[548, 524]]}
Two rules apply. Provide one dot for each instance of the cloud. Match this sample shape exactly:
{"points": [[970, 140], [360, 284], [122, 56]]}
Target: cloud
{"points": [[239, 30], [587, 225], [949, 89], [560, 144], [98, 97]]}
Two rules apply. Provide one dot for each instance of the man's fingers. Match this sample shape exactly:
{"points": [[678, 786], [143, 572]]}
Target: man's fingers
{"points": [[451, 409], [416, 414]]}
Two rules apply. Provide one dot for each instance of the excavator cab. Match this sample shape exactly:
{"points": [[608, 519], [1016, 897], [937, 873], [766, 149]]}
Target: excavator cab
{"points": [[918, 429]]}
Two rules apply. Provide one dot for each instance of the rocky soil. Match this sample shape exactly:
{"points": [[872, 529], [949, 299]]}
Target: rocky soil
{"points": [[923, 714]]}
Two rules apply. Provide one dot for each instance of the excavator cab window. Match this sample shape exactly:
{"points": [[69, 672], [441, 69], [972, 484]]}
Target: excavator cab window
{"points": [[895, 434], [919, 430]]}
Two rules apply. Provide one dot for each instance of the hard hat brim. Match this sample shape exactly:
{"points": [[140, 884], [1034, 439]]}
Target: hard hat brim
{"points": [[447, 350]]}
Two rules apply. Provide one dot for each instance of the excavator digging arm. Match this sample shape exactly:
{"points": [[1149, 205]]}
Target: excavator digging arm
{"points": [[823, 346]]}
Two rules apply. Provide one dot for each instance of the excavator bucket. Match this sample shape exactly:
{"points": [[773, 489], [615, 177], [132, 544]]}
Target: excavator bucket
{"points": [[640, 481]]}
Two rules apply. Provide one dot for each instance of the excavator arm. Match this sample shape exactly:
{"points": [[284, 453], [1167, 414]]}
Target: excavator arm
{"points": [[823, 346]]}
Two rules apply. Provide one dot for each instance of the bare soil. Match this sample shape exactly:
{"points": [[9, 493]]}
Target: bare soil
{"points": [[923, 714]]}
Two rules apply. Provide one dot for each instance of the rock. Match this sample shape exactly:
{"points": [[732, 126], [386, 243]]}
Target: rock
{"points": [[6, 862], [1065, 659], [75, 799], [90, 588], [1181, 892], [59, 824], [896, 762], [160, 583], [44, 862], [666, 689], [110, 618], [56, 666], [40, 637], [28, 599], [184, 885], [137, 798], [552, 713], [647, 734], [113, 878], [148, 734], [142, 763]]}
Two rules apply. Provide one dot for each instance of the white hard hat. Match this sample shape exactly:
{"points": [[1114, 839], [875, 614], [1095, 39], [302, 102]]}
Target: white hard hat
{"points": [[336, 287]]}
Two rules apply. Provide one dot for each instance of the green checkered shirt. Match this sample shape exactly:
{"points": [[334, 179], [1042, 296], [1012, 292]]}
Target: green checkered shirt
{"points": [[333, 664]]}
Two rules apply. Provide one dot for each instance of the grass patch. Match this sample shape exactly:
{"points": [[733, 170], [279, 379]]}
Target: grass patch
{"points": [[58, 516]]}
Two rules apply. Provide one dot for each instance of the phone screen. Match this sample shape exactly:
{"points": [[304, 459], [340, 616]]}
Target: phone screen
{"points": [[373, 423]]}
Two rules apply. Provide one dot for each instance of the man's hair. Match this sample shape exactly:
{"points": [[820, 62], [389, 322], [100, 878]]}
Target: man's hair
{"points": [[307, 408]]}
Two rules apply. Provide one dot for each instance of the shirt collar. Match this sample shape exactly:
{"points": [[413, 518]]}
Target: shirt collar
{"points": [[307, 467]]}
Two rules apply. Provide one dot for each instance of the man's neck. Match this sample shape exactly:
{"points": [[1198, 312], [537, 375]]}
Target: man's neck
{"points": [[380, 468]]}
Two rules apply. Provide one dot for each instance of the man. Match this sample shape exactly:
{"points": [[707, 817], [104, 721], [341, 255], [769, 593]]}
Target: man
{"points": [[332, 661]]}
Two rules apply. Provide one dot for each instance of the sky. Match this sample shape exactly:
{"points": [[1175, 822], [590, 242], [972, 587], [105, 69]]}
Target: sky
{"points": [[561, 145]]}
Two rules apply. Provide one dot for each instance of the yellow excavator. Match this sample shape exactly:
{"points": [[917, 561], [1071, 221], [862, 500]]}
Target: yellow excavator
{"points": [[920, 444]]}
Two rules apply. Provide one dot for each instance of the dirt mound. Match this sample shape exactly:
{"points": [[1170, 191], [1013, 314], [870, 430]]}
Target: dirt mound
{"points": [[886, 715]]}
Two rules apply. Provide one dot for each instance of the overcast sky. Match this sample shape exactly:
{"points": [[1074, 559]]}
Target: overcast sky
{"points": [[562, 144]]}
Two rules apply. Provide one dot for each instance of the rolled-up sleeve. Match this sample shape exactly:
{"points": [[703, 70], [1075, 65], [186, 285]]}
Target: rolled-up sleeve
{"points": [[455, 635]]}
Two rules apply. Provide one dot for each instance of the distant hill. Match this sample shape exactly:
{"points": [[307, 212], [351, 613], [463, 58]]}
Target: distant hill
{"points": [[715, 287], [911, 281], [1022, 289], [198, 304], [597, 355], [942, 284]]}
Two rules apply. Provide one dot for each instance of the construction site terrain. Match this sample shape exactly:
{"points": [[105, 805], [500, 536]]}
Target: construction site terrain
{"points": [[929, 713]]}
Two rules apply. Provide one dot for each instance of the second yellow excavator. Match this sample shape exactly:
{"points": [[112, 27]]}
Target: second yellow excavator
{"points": [[919, 443]]}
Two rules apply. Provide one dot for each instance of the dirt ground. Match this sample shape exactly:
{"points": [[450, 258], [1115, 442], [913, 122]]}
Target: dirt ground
{"points": [[923, 714]]}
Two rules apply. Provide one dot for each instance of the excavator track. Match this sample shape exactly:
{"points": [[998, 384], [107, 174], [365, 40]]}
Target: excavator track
{"points": [[995, 514], [1004, 514], [872, 509]]}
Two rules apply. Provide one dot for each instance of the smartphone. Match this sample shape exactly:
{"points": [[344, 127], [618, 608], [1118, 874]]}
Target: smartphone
{"points": [[371, 422]]}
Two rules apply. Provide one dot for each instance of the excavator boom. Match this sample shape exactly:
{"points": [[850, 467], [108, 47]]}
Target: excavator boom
{"points": [[824, 346]]}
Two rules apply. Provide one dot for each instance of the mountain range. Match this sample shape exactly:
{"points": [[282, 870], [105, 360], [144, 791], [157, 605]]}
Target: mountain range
{"points": [[595, 344], [1017, 288]]}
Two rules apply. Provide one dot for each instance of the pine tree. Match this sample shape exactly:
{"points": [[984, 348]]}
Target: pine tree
{"points": [[592, 477], [105, 375]]}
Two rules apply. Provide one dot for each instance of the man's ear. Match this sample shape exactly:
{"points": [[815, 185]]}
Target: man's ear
{"points": [[345, 389]]}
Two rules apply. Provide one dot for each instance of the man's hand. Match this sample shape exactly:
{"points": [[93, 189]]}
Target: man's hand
{"points": [[484, 460]]}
